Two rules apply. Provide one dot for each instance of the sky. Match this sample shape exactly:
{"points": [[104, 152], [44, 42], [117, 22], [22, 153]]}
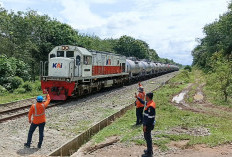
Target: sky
{"points": [[171, 27]]}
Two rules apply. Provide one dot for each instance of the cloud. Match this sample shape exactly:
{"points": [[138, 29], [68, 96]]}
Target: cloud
{"points": [[79, 15], [168, 26]]}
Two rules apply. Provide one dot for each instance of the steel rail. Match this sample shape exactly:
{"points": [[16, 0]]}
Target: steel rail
{"points": [[17, 115]]}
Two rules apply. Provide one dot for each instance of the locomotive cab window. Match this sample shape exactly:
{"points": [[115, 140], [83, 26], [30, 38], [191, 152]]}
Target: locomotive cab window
{"points": [[52, 55], [87, 60], [78, 60], [60, 53], [70, 54]]}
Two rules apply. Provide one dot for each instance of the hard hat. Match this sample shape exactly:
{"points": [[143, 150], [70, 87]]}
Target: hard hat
{"points": [[39, 98]]}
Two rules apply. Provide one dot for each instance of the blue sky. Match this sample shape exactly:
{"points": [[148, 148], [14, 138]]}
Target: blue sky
{"points": [[168, 26]]}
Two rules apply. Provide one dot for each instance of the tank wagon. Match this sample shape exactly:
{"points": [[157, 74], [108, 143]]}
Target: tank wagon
{"points": [[72, 70]]}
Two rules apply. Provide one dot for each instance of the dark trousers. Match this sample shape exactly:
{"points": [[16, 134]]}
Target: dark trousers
{"points": [[31, 131], [147, 136], [139, 115]]}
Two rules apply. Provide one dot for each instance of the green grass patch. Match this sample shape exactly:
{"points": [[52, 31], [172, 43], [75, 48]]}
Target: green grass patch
{"points": [[22, 93], [216, 97], [168, 117]]}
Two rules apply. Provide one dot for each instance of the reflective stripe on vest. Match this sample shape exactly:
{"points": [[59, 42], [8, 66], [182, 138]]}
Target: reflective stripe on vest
{"points": [[37, 115], [145, 114]]}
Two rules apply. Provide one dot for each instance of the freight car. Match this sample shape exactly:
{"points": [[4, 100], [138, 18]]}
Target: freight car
{"points": [[72, 70]]}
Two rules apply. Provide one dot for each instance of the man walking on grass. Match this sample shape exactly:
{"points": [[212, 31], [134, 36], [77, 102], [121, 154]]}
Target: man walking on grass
{"points": [[148, 122], [39, 119]]}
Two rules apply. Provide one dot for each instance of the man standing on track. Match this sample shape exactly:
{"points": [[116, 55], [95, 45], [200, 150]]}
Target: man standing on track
{"points": [[140, 106], [39, 119], [148, 122]]}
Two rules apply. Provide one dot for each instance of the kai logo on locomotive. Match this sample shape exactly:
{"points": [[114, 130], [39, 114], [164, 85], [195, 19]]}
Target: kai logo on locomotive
{"points": [[57, 65]]}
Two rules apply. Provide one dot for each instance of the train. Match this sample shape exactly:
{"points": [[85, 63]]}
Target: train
{"points": [[76, 71]]}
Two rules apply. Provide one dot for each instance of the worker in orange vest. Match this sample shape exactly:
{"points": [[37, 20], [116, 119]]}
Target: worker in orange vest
{"points": [[39, 119], [148, 122], [140, 85], [139, 106]]}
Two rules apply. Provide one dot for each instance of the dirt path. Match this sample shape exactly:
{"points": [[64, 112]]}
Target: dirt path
{"points": [[200, 104]]}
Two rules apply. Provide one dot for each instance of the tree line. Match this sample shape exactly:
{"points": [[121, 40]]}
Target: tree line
{"points": [[30, 36], [27, 37], [213, 54]]}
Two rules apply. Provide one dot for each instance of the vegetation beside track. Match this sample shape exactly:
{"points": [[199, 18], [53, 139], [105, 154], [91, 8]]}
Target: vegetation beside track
{"points": [[169, 116], [24, 91]]}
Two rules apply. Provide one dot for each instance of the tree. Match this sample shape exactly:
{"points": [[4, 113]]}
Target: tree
{"points": [[131, 47], [220, 78]]}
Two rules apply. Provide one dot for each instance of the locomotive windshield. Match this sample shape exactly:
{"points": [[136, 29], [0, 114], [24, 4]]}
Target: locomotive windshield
{"points": [[52, 55], [69, 54], [60, 53]]}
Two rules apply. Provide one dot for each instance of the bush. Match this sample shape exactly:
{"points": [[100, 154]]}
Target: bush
{"points": [[16, 82], [189, 68], [10, 66], [37, 86], [2, 89], [11, 83], [20, 91], [28, 86], [7, 86]]}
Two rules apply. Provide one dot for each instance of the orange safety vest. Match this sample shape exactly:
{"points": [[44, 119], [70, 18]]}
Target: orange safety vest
{"points": [[138, 103], [38, 111], [150, 104]]}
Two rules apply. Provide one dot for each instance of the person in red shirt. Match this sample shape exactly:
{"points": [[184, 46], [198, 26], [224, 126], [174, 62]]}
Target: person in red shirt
{"points": [[39, 119], [139, 106]]}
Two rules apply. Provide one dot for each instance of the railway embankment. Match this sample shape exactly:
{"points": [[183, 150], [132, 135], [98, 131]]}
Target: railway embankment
{"points": [[187, 124], [66, 121]]}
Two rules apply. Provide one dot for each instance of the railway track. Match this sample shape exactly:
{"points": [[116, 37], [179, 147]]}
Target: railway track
{"points": [[17, 112], [17, 109]]}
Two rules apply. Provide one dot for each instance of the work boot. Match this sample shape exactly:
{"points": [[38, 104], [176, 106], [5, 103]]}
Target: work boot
{"points": [[39, 145], [26, 145], [147, 155], [145, 151]]}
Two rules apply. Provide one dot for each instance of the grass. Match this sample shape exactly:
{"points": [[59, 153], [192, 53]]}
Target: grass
{"points": [[168, 117], [213, 94], [216, 97], [10, 97]]}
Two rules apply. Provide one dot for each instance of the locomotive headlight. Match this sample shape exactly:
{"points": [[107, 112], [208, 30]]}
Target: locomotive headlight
{"points": [[66, 47], [63, 47]]}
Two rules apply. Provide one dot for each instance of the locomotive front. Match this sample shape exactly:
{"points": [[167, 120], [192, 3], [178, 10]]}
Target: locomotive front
{"points": [[64, 64]]}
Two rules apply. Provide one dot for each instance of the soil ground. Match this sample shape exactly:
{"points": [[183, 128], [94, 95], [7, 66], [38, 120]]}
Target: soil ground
{"points": [[176, 150]]}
